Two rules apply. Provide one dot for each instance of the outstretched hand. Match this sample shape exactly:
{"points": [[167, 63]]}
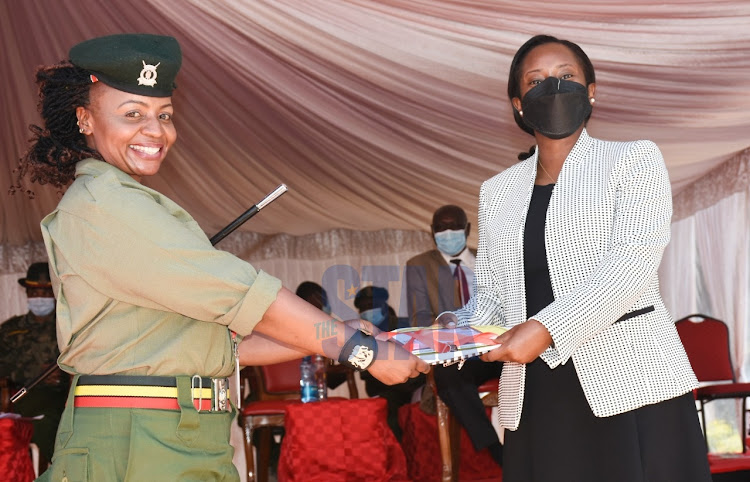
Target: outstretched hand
{"points": [[522, 344], [395, 365]]}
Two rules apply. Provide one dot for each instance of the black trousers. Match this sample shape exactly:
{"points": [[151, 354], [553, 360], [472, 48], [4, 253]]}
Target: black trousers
{"points": [[458, 390]]}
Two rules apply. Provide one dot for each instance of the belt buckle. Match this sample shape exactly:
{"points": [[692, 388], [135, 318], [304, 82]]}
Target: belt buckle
{"points": [[219, 395]]}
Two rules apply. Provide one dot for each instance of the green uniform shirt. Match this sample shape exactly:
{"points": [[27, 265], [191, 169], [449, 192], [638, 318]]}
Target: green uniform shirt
{"points": [[139, 288]]}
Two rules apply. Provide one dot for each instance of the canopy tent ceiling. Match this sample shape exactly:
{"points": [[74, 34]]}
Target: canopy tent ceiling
{"points": [[376, 112]]}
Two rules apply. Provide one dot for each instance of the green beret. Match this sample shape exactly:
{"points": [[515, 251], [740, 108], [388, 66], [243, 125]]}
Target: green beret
{"points": [[141, 64]]}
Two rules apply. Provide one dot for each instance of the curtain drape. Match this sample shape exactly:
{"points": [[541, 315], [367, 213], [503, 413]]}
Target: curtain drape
{"points": [[723, 251], [376, 112], [705, 270]]}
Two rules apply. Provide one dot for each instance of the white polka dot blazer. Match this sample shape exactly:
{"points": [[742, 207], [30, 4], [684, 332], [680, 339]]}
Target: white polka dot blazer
{"points": [[607, 224]]}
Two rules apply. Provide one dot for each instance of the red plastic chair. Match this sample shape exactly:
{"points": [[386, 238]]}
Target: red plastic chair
{"points": [[706, 342], [272, 388]]}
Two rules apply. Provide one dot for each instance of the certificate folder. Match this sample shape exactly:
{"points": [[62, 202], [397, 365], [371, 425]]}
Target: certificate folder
{"points": [[445, 346]]}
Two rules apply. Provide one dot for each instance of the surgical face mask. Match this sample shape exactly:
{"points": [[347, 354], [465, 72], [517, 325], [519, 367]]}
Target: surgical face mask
{"points": [[41, 306], [556, 108], [376, 316], [451, 241]]}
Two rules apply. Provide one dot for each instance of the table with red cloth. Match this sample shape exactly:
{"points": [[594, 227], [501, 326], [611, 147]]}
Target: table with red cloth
{"points": [[421, 446], [15, 459], [339, 441]]}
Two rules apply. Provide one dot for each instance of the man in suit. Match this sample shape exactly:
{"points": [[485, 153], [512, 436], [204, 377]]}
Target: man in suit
{"points": [[433, 285]]}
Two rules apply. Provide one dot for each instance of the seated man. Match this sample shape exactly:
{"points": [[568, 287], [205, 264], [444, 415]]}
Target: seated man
{"points": [[316, 295], [440, 280], [29, 346], [372, 304]]}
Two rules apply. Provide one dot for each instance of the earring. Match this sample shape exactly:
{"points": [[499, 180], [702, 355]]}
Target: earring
{"points": [[81, 130], [78, 122], [593, 100], [520, 112]]}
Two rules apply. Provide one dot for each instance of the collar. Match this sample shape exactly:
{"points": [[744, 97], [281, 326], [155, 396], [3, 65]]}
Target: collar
{"points": [[95, 167], [581, 146], [576, 154], [466, 256]]}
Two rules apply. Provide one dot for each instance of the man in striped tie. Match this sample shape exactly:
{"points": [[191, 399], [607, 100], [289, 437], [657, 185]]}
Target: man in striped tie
{"points": [[439, 280]]}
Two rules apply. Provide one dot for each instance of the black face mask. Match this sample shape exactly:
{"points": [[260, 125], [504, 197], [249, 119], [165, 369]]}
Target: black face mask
{"points": [[556, 108]]}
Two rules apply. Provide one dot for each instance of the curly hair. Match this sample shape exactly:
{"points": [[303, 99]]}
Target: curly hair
{"points": [[56, 148]]}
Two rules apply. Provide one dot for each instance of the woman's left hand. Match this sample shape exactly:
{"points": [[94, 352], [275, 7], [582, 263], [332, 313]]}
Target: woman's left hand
{"points": [[521, 344]]}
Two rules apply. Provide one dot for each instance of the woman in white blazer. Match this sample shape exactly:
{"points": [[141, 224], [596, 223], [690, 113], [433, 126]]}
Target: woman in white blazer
{"points": [[596, 384]]}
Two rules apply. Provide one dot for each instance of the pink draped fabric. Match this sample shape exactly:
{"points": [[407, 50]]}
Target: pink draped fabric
{"points": [[374, 113]]}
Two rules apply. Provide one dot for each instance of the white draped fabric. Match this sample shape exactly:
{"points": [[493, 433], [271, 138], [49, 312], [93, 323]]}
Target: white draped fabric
{"points": [[706, 269], [376, 112], [724, 262]]}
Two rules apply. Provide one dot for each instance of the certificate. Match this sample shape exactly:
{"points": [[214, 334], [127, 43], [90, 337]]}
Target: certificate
{"points": [[445, 346]]}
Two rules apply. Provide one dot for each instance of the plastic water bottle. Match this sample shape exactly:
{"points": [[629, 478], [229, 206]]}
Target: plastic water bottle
{"points": [[319, 363], [307, 385]]}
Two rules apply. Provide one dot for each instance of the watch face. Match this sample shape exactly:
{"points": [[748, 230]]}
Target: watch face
{"points": [[361, 356]]}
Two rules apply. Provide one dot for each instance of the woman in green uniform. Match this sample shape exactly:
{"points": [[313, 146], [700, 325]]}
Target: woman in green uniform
{"points": [[147, 309]]}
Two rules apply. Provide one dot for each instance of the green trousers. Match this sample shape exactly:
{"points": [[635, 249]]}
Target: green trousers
{"points": [[139, 445]]}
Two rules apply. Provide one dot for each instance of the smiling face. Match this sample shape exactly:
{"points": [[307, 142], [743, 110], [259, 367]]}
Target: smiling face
{"points": [[550, 60], [131, 132]]}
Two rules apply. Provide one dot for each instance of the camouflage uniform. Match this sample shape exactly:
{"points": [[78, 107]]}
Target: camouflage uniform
{"points": [[28, 347]]}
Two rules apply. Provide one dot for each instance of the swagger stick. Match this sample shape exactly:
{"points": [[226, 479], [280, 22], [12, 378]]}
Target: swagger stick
{"points": [[215, 239], [248, 214], [20, 393]]}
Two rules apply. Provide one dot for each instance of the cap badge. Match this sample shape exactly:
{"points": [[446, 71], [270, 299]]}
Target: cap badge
{"points": [[148, 74]]}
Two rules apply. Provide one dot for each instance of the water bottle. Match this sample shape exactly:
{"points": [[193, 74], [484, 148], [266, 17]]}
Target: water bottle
{"points": [[307, 385], [319, 363]]}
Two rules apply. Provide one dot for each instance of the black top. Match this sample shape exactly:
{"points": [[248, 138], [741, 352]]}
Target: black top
{"points": [[538, 285]]}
